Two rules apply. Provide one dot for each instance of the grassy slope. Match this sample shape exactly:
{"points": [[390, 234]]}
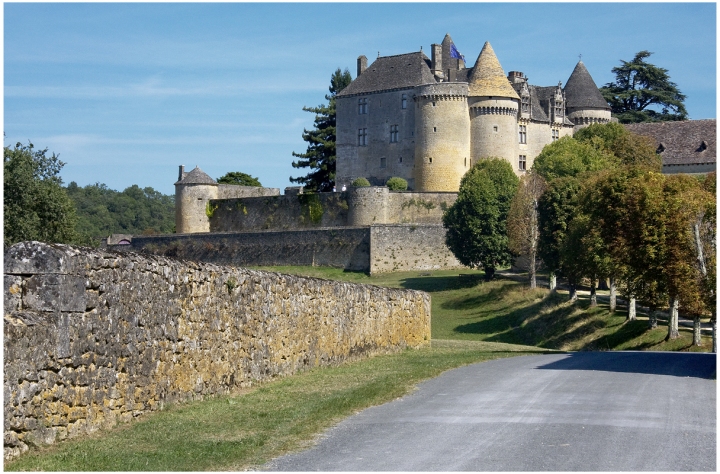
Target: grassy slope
{"points": [[472, 321]]}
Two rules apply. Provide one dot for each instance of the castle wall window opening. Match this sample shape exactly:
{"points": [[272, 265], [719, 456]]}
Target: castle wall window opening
{"points": [[383, 162], [523, 134], [555, 135], [362, 137], [403, 101], [394, 134], [362, 106], [522, 163]]}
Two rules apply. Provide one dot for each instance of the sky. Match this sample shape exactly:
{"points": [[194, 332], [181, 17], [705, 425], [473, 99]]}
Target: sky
{"points": [[124, 93]]}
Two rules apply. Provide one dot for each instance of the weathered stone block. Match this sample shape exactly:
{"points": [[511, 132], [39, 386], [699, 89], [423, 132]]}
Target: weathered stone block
{"points": [[52, 292]]}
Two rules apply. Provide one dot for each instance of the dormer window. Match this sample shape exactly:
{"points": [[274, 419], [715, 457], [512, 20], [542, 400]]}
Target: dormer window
{"points": [[660, 148], [703, 146], [525, 104]]}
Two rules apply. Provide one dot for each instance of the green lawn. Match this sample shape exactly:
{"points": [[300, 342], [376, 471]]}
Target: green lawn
{"points": [[472, 321]]}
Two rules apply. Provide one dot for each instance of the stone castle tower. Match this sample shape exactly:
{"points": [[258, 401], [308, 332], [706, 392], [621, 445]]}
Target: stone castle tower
{"points": [[428, 120]]}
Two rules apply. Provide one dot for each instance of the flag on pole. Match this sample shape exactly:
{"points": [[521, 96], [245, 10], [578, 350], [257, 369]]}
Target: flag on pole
{"points": [[454, 53]]}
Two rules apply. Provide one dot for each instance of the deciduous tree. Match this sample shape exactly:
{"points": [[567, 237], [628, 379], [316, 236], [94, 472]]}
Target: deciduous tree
{"points": [[522, 224], [239, 179], [35, 205], [476, 222]]}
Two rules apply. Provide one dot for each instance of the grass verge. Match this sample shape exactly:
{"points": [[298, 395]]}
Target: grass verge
{"points": [[244, 430]]}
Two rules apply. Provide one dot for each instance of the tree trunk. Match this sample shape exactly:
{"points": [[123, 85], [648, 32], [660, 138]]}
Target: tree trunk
{"points": [[697, 341], [489, 273], [632, 315], [553, 281], [593, 293], [531, 273], [673, 332], [652, 318], [572, 293], [714, 339], [613, 295]]}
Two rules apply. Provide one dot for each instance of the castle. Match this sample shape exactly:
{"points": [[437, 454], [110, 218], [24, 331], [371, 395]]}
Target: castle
{"points": [[429, 120], [425, 120]]}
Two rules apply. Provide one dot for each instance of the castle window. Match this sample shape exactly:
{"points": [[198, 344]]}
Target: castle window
{"points": [[495, 128], [362, 137], [433, 103], [394, 134], [400, 160], [525, 106], [430, 160], [403, 102], [362, 106], [383, 162], [522, 163], [523, 134], [434, 129], [555, 135]]}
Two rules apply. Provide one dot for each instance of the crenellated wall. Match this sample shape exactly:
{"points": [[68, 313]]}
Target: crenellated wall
{"points": [[95, 337]]}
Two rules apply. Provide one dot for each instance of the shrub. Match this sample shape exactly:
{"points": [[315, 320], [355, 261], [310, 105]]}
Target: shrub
{"points": [[396, 184], [361, 182]]}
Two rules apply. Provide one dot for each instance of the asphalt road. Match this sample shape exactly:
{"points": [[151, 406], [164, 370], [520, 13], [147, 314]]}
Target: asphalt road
{"points": [[588, 411]]}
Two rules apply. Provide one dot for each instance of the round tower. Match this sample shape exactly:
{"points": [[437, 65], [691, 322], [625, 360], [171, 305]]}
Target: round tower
{"points": [[193, 192], [493, 107], [442, 136], [584, 103], [367, 205]]}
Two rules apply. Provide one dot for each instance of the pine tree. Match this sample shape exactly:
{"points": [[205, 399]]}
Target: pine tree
{"points": [[320, 154]]}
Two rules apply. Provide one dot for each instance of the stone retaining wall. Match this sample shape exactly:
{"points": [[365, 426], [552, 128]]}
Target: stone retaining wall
{"points": [[95, 337]]}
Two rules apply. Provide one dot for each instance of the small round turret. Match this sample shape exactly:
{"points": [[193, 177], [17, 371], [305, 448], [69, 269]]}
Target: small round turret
{"points": [[584, 103], [193, 192]]}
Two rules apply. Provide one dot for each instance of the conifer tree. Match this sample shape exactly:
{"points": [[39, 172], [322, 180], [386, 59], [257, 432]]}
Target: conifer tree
{"points": [[638, 88], [320, 154]]}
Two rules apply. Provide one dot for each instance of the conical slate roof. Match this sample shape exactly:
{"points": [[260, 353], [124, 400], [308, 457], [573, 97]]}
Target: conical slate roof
{"points": [[581, 91], [488, 77], [196, 176]]}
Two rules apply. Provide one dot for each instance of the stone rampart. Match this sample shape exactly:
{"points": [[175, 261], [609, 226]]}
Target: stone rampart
{"points": [[361, 206], [94, 337], [408, 247], [347, 248]]}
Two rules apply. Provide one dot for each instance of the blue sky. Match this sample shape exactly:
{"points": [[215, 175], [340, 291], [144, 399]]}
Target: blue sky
{"points": [[125, 93]]}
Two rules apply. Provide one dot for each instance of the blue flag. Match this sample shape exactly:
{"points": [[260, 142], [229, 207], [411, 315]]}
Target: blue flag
{"points": [[454, 53]]}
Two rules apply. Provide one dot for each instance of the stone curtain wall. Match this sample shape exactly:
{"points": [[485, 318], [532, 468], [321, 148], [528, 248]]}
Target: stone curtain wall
{"points": [[354, 207], [347, 248], [94, 337], [408, 247]]}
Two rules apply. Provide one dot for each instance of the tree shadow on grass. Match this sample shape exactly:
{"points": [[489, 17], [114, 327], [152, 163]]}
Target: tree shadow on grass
{"points": [[443, 283]]}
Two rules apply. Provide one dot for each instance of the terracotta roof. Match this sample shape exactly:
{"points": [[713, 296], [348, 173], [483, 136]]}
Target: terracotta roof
{"points": [[196, 176], [488, 78], [581, 91], [392, 72], [686, 142]]}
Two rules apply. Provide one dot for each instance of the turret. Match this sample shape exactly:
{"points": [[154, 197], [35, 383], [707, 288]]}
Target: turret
{"points": [[193, 192], [442, 136], [584, 103], [493, 110]]}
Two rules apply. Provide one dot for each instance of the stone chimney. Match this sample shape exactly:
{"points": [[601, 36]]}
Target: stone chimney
{"points": [[361, 65], [436, 58], [182, 172]]}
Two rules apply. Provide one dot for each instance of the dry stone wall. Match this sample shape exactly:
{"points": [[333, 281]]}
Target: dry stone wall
{"points": [[95, 337], [407, 247]]}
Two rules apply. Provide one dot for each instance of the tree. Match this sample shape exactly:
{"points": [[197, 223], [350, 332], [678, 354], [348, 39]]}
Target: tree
{"points": [[35, 204], [571, 157], [239, 179], [476, 222], [556, 209], [522, 223], [320, 154], [639, 89], [627, 147]]}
